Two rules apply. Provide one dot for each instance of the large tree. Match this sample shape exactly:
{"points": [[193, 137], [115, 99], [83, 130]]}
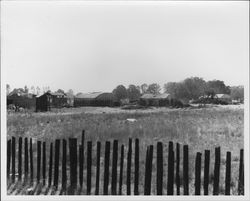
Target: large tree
{"points": [[133, 92], [237, 92], [154, 88], [60, 91], [120, 92], [195, 87], [144, 88], [8, 89], [217, 87]]}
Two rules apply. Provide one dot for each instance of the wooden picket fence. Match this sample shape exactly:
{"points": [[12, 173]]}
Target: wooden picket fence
{"points": [[70, 183]]}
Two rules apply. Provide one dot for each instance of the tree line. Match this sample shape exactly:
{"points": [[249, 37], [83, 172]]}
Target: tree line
{"points": [[188, 89]]}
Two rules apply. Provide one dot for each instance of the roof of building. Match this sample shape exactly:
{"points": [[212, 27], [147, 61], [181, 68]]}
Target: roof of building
{"points": [[222, 96], [155, 96], [89, 95]]}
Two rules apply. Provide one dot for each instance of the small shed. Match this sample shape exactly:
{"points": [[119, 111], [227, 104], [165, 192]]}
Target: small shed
{"points": [[155, 99], [25, 100], [223, 97], [94, 99], [51, 100]]}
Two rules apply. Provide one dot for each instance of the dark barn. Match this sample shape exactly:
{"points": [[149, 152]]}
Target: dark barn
{"points": [[95, 99], [23, 100], [50, 100], [159, 100]]}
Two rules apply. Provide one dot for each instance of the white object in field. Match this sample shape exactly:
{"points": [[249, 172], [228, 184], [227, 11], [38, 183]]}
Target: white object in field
{"points": [[131, 120]]}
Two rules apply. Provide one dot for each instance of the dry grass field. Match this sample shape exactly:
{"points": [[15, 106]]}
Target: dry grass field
{"points": [[200, 128]]}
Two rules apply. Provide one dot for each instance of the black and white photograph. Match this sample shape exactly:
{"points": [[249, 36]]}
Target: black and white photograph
{"points": [[124, 98]]}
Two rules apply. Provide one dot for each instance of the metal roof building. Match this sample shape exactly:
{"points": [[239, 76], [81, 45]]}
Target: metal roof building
{"points": [[95, 99]]}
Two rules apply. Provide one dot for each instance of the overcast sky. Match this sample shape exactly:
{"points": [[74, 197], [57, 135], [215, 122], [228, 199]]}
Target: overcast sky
{"points": [[72, 45]]}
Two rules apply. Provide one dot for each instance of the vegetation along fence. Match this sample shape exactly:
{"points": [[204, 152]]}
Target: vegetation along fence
{"points": [[66, 172]]}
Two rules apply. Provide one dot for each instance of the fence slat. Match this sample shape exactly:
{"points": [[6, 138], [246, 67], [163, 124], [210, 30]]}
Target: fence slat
{"points": [[13, 162], [148, 171], [159, 176], [185, 170], [121, 170], [106, 168], [44, 163], [73, 163], [177, 172], [26, 159], [89, 164], [20, 145], [114, 168], [98, 154], [216, 171], [228, 173], [38, 161], [80, 166], [56, 164], [50, 164], [137, 172], [31, 161], [64, 162], [170, 185], [198, 174], [82, 143], [241, 174], [129, 158], [206, 171], [8, 158]]}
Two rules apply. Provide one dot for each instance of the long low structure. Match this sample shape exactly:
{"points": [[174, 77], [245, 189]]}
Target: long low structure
{"points": [[155, 99], [95, 99]]}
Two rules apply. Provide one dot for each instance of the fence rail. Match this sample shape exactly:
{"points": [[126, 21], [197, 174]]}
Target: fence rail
{"points": [[64, 170]]}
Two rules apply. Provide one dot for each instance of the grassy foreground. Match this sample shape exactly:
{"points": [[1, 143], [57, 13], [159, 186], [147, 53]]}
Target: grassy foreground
{"points": [[200, 128]]}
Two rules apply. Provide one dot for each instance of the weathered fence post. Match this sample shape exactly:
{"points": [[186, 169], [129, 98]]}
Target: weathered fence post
{"points": [[136, 179], [228, 173], [241, 174], [98, 154], [106, 168], [185, 170], [44, 163], [121, 170], [206, 171], [177, 173], [64, 167], [170, 185], [148, 170], [80, 166], [50, 164], [114, 167], [20, 143], [198, 174], [129, 157], [26, 159], [159, 176], [56, 166], [31, 161], [13, 162], [8, 158], [38, 161], [89, 164], [82, 155], [73, 163], [216, 171]]}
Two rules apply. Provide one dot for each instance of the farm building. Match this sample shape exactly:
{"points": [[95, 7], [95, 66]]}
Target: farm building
{"points": [[51, 100], [223, 97], [155, 100], [95, 99], [25, 100]]}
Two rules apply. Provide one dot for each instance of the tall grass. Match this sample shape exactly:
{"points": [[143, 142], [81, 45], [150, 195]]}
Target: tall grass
{"points": [[199, 128]]}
